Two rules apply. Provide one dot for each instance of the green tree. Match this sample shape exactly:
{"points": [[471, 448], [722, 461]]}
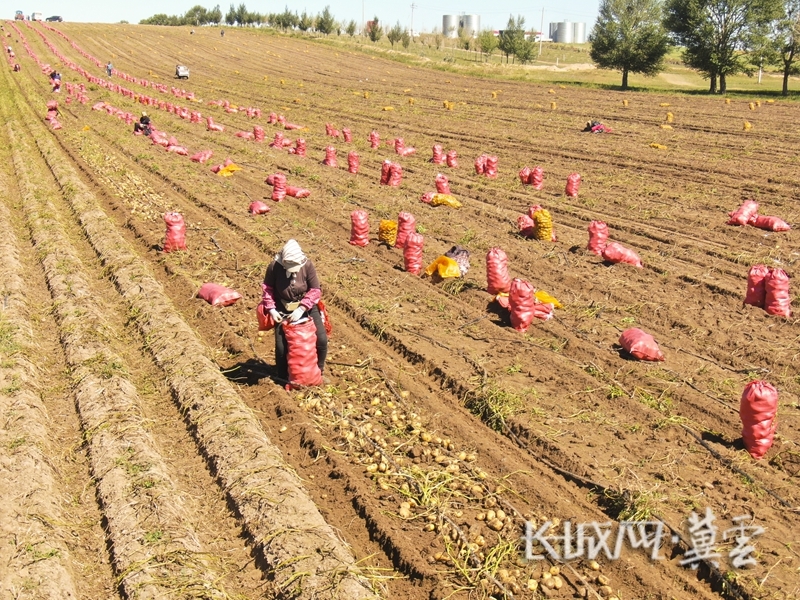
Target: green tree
{"points": [[405, 39], [230, 16], [215, 15], [394, 34], [487, 42], [374, 30], [305, 22], [325, 22], [197, 15], [464, 39], [629, 37], [783, 45], [351, 28], [525, 51], [718, 35], [510, 38]]}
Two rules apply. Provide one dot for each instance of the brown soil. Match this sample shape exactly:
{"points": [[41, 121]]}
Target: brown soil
{"points": [[560, 424]]}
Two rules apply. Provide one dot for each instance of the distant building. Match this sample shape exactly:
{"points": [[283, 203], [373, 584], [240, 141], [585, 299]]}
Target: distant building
{"points": [[567, 32], [471, 25]]}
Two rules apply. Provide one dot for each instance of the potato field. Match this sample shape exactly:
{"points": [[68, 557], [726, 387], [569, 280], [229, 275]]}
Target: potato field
{"points": [[148, 451]]}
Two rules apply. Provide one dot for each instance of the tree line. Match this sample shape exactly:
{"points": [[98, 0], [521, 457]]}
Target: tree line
{"points": [[719, 38]]}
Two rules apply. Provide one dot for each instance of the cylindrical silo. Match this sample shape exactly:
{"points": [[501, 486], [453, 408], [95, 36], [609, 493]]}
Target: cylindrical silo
{"points": [[471, 25], [450, 25], [553, 31], [579, 33], [564, 32]]}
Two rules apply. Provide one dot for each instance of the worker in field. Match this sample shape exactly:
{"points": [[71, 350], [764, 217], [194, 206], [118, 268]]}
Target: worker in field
{"points": [[17, 67], [109, 68], [143, 125], [290, 293], [221, 33]]}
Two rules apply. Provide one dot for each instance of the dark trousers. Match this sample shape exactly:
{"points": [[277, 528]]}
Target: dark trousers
{"points": [[280, 345]]}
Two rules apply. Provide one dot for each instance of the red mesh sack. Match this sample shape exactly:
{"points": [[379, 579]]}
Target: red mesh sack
{"points": [[427, 197], [299, 147], [758, 409], [480, 164], [617, 253], [399, 145], [438, 155], [273, 118], [52, 105], [347, 135], [497, 279], [374, 139], [265, 320], [181, 150], [359, 228], [201, 156], [258, 133], [330, 156], [525, 175], [412, 253], [743, 214], [353, 161], [756, 286], [769, 223], [258, 208], [278, 187], [442, 184], [491, 167], [297, 192], [451, 158], [526, 226], [301, 351], [573, 183], [640, 344], [277, 141], [218, 295], [776, 294], [598, 237], [406, 224], [211, 126], [248, 135], [521, 304], [537, 178], [386, 169], [175, 238], [395, 175]]}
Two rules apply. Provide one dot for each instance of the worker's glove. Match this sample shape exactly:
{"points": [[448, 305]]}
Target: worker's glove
{"points": [[297, 314], [276, 316]]}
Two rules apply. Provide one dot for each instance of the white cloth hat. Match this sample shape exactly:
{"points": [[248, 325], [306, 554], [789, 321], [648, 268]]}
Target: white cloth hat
{"points": [[291, 257]]}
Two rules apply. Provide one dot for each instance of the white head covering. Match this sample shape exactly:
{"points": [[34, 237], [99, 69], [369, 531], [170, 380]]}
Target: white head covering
{"points": [[291, 257]]}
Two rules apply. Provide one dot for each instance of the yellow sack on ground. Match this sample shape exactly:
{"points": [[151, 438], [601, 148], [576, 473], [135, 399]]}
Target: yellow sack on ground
{"points": [[387, 232], [445, 266], [445, 200], [229, 170], [543, 225], [546, 298]]}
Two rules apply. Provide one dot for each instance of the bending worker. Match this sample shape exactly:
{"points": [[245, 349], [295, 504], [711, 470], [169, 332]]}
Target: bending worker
{"points": [[291, 291], [143, 124]]}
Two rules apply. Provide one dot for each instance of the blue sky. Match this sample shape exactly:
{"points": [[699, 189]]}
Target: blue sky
{"points": [[427, 14]]}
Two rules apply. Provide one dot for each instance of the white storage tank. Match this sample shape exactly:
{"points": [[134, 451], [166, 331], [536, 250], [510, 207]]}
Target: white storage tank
{"points": [[471, 24], [564, 32], [579, 33], [553, 30], [450, 25]]}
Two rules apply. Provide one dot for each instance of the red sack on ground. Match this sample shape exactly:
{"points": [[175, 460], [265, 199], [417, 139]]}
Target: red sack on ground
{"points": [[427, 197], [451, 158], [299, 147], [640, 344], [769, 223], [270, 180], [617, 253], [756, 286], [438, 155], [521, 304], [211, 126], [776, 294], [758, 409], [399, 145], [277, 141], [442, 184], [178, 150], [395, 175], [407, 151], [278, 187], [201, 156], [330, 157], [374, 139], [52, 105], [526, 226], [386, 169], [359, 228], [218, 295], [175, 238], [265, 320], [353, 161], [743, 214], [412, 253], [598, 237], [573, 183], [490, 170], [497, 279], [297, 192], [525, 175], [258, 208], [248, 135], [301, 351], [258, 133], [406, 224], [273, 118], [537, 178], [480, 164], [347, 135]]}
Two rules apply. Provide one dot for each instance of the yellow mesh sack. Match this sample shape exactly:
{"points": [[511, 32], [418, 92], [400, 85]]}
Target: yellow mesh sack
{"points": [[387, 232], [445, 200], [546, 298], [543, 225], [445, 267], [229, 170]]}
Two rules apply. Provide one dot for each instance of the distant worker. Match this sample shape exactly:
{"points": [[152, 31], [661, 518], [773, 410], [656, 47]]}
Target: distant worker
{"points": [[55, 80], [143, 125], [17, 67], [221, 33], [191, 32], [596, 127], [109, 68]]}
